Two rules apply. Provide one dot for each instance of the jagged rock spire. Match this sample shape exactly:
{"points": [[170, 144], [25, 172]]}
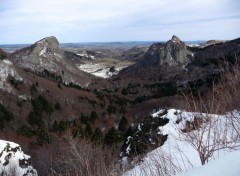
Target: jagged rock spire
{"points": [[175, 39]]}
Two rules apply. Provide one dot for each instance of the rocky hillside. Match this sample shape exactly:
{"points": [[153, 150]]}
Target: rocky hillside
{"points": [[161, 56], [174, 61], [46, 56], [135, 54], [43, 93], [13, 161]]}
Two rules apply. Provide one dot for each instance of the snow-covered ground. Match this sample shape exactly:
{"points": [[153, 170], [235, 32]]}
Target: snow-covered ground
{"points": [[216, 137], [227, 165], [13, 161], [99, 69]]}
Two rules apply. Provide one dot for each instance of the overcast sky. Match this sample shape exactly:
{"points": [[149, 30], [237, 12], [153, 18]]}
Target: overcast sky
{"points": [[26, 21]]}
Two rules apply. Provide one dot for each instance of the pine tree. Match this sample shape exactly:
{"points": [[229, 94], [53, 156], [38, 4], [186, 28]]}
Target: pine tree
{"points": [[113, 136], [123, 124]]}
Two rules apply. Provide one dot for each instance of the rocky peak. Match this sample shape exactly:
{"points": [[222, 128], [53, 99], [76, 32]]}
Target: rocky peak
{"points": [[42, 54], [175, 39], [47, 58], [161, 56], [48, 45], [174, 52]]}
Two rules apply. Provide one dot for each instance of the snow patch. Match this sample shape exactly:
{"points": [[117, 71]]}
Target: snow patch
{"points": [[12, 159], [99, 70], [177, 154], [8, 62], [43, 51]]}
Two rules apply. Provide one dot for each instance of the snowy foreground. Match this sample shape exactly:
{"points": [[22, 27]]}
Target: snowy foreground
{"points": [[217, 140], [227, 165], [13, 161]]}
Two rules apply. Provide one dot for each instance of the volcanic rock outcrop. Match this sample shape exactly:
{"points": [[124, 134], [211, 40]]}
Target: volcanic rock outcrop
{"points": [[161, 57], [47, 58]]}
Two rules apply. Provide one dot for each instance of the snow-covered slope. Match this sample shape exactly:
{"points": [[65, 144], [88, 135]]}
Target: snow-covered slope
{"points": [[224, 166], [13, 161], [214, 137]]}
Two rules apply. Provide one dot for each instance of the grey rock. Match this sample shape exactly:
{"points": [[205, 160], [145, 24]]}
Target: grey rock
{"points": [[161, 59], [46, 55], [174, 52]]}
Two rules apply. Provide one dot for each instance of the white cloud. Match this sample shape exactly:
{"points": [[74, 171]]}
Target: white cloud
{"points": [[112, 20]]}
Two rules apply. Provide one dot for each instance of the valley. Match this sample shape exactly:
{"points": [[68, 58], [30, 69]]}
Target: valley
{"points": [[53, 94]]}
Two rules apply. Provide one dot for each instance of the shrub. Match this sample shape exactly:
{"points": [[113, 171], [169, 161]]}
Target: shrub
{"points": [[82, 157], [93, 116], [43, 137], [25, 131], [5, 114], [57, 106], [35, 119], [41, 104], [111, 109]]}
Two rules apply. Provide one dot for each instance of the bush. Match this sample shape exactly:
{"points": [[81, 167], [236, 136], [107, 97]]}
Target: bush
{"points": [[41, 104], [5, 115], [43, 137], [84, 119], [111, 109], [35, 119], [57, 106], [26, 131], [82, 157], [14, 82], [93, 116]]}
